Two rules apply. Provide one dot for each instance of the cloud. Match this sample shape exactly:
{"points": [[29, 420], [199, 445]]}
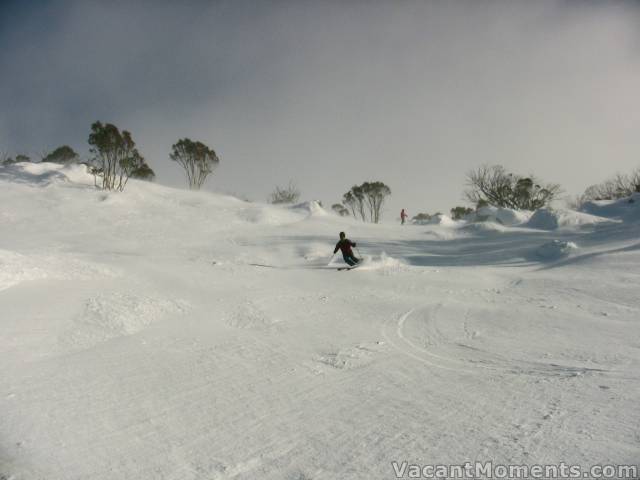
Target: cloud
{"points": [[334, 93]]}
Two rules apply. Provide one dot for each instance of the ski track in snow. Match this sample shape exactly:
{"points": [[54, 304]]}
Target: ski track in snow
{"points": [[457, 361], [168, 334]]}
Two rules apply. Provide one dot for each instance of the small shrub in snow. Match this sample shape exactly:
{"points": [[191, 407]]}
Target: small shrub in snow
{"points": [[288, 194], [421, 218], [64, 154], [5, 159], [620, 186], [458, 213], [493, 185]]}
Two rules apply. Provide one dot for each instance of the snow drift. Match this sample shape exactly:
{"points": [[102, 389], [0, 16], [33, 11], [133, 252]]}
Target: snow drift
{"points": [[625, 209], [44, 174], [440, 219], [552, 219], [311, 208], [555, 249], [503, 216]]}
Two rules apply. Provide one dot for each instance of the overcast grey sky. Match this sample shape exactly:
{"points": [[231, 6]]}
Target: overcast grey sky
{"points": [[332, 93]]}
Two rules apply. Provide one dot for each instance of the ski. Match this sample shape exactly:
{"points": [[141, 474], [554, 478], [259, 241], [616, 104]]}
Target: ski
{"points": [[348, 268]]}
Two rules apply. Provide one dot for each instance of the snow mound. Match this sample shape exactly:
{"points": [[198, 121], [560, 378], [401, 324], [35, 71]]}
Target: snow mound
{"points": [[44, 174], [552, 219], [444, 220], [626, 209], [269, 215], [108, 316], [503, 216], [312, 208], [315, 250], [16, 268], [383, 262], [555, 249], [248, 315], [280, 215], [482, 227]]}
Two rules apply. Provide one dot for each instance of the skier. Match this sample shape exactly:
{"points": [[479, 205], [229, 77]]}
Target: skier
{"points": [[403, 215], [345, 245]]}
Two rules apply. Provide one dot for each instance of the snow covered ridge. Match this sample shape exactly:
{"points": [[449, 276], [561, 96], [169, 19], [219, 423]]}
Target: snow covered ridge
{"points": [[545, 218], [44, 173], [542, 219], [626, 209], [552, 219]]}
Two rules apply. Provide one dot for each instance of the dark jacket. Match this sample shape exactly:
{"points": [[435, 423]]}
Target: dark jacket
{"points": [[345, 245]]}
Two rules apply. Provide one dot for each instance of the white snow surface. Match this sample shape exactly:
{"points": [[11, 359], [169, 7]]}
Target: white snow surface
{"points": [[555, 249], [438, 219], [503, 216], [622, 209], [167, 334], [442, 219], [552, 218]]}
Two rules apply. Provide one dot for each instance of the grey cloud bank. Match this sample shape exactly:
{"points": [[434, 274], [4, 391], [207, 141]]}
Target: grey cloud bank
{"points": [[333, 93]]}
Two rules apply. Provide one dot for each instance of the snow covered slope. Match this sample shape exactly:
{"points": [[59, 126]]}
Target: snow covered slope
{"points": [[624, 208], [161, 333]]}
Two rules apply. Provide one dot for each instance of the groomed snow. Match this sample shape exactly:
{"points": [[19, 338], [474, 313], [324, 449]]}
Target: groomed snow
{"points": [[167, 334]]}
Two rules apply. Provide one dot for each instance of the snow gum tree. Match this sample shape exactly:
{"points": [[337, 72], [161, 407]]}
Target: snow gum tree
{"points": [[349, 201], [366, 200], [115, 157], [197, 160], [64, 154], [493, 185], [143, 172], [5, 159], [340, 209]]}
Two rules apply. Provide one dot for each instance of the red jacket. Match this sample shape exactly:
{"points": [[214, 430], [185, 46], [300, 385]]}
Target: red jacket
{"points": [[345, 245]]}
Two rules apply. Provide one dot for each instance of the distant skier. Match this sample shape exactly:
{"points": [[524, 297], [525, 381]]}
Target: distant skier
{"points": [[403, 215], [345, 246]]}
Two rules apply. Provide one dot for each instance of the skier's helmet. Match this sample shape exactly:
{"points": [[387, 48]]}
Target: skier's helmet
{"points": [[342, 235]]}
